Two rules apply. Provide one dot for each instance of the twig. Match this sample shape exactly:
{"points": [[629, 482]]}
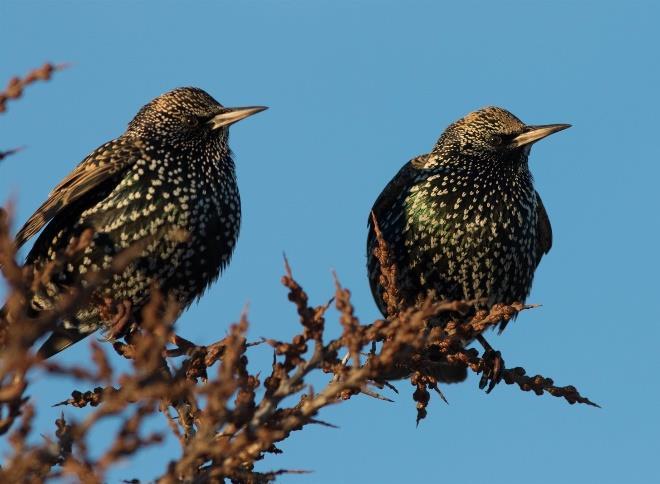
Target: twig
{"points": [[16, 85]]}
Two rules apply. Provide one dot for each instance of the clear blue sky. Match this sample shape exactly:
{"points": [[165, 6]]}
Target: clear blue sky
{"points": [[356, 89]]}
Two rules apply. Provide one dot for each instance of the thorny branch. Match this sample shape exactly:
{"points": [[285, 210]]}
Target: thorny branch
{"points": [[16, 85], [221, 424], [225, 417], [6, 153], [14, 90]]}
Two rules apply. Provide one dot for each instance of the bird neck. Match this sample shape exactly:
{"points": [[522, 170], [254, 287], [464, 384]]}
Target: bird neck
{"points": [[211, 152]]}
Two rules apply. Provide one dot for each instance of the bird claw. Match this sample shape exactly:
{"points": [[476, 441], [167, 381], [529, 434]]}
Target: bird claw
{"points": [[120, 319], [492, 371]]}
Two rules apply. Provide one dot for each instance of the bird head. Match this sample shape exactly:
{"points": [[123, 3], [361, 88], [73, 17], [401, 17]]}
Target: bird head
{"points": [[187, 116], [492, 135]]}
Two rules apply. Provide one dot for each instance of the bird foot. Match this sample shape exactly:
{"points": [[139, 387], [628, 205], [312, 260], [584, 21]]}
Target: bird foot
{"points": [[120, 319], [493, 364]]}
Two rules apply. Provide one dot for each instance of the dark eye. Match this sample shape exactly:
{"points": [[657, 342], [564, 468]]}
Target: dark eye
{"points": [[495, 140], [191, 121]]}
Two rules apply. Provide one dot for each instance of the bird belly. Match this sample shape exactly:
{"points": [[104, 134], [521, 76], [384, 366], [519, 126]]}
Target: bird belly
{"points": [[465, 254], [491, 266]]}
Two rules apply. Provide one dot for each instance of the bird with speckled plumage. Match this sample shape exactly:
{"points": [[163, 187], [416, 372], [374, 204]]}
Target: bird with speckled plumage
{"points": [[464, 222], [168, 183]]}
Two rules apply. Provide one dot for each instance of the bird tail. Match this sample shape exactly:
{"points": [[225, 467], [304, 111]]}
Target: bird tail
{"points": [[60, 340]]}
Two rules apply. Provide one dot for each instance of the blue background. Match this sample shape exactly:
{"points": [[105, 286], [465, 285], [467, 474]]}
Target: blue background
{"points": [[356, 89]]}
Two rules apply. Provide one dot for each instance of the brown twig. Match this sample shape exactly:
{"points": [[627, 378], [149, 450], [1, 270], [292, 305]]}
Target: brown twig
{"points": [[16, 85], [6, 153]]}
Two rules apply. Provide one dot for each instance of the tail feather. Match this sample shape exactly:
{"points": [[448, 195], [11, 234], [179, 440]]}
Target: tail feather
{"points": [[60, 340]]}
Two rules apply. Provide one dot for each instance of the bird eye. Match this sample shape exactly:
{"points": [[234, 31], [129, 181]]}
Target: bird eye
{"points": [[191, 121], [495, 140]]}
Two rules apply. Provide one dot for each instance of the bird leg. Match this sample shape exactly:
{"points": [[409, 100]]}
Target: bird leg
{"points": [[493, 366]]}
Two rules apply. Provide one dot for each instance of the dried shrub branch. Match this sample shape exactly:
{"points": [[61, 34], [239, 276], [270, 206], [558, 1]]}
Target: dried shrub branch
{"points": [[6, 153], [207, 395], [14, 90], [17, 85]]}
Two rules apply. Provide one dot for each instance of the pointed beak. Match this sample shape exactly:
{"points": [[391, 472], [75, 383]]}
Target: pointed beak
{"points": [[535, 133], [233, 115]]}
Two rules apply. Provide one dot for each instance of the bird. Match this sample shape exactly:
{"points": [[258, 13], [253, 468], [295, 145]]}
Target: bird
{"points": [[464, 222], [167, 187]]}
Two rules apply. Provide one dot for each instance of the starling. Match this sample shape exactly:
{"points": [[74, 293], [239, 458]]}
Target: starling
{"points": [[169, 184], [464, 222]]}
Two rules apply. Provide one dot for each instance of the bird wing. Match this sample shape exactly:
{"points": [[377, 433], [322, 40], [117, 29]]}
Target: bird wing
{"points": [[543, 230], [383, 205], [104, 163], [392, 192]]}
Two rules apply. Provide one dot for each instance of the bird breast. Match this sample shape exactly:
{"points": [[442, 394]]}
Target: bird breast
{"points": [[479, 230]]}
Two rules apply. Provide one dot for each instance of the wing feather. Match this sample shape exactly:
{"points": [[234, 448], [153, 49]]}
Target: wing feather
{"points": [[104, 163], [543, 230], [385, 204]]}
